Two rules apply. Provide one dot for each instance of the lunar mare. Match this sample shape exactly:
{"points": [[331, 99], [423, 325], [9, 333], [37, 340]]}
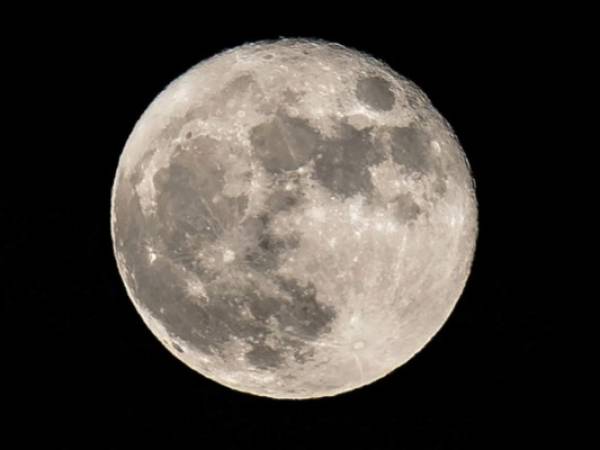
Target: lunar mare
{"points": [[293, 219]]}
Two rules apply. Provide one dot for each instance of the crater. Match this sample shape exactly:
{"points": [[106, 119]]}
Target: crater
{"points": [[177, 347], [208, 321], [405, 208], [376, 93], [282, 199]]}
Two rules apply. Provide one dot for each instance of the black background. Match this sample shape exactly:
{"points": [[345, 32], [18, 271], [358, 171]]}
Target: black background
{"points": [[84, 369]]}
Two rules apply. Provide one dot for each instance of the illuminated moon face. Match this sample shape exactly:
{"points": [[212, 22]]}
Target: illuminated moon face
{"points": [[293, 219]]}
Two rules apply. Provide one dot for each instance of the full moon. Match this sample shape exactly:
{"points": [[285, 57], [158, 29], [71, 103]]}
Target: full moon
{"points": [[293, 218]]}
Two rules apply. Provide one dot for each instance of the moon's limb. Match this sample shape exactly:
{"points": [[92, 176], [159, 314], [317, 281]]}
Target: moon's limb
{"points": [[293, 219]]}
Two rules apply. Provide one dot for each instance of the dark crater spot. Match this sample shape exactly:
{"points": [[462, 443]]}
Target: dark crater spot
{"points": [[275, 244], [440, 184], [282, 200], [237, 85], [285, 143], [411, 148], [177, 347], [344, 164], [376, 93], [405, 208]]}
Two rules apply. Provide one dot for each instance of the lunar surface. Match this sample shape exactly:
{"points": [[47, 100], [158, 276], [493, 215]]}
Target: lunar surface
{"points": [[293, 219]]}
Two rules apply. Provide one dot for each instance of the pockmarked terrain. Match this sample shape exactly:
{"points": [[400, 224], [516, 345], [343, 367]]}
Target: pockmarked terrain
{"points": [[293, 219]]}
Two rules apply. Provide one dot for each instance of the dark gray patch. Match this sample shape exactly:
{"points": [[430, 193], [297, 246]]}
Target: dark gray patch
{"points": [[234, 89], [177, 347], [411, 148], [307, 317], [265, 249], [344, 164], [262, 307], [224, 307], [185, 190], [188, 135], [440, 184], [275, 244], [285, 143], [376, 93], [282, 200], [207, 325], [405, 208], [298, 312], [264, 357], [241, 83], [303, 353], [161, 288], [291, 97]]}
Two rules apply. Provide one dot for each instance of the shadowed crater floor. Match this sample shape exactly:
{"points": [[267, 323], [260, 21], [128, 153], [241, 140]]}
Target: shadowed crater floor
{"points": [[376, 93]]}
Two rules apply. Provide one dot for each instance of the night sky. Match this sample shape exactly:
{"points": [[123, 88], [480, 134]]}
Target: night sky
{"points": [[83, 369]]}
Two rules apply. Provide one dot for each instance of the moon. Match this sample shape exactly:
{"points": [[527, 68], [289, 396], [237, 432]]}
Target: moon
{"points": [[293, 218]]}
